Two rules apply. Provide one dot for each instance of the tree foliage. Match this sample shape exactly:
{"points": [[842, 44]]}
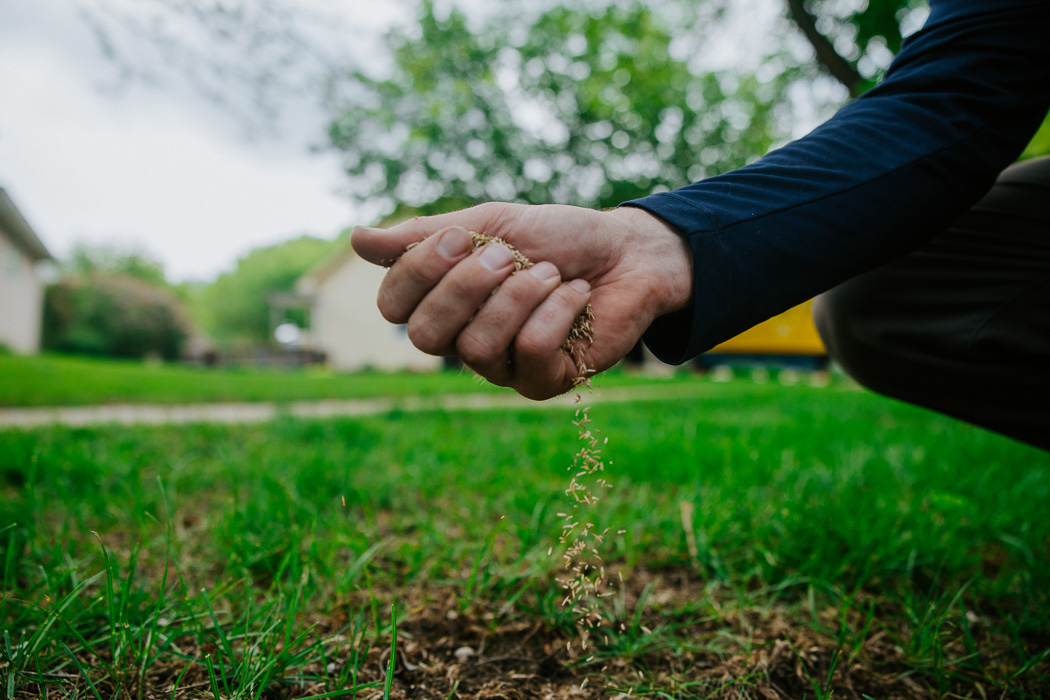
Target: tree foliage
{"points": [[854, 40], [114, 260], [114, 301], [235, 309], [113, 315], [579, 107]]}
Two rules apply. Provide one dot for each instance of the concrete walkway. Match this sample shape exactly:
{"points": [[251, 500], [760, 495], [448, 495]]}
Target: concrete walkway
{"points": [[159, 414]]}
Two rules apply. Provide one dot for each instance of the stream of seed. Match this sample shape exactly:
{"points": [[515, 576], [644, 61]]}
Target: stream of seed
{"points": [[583, 582]]}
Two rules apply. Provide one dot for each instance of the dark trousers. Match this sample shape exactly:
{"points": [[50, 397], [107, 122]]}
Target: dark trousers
{"points": [[961, 325]]}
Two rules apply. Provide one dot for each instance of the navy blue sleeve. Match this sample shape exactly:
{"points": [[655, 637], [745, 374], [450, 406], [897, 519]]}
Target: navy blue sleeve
{"points": [[888, 172]]}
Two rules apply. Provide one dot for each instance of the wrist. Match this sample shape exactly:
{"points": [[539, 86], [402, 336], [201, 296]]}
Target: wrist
{"points": [[662, 256]]}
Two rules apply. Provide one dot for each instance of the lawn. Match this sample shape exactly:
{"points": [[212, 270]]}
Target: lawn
{"points": [[56, 380], [772, 542]]}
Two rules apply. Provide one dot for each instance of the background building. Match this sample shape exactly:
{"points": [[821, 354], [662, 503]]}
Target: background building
{"points": [[345, 324], [21, 286]]}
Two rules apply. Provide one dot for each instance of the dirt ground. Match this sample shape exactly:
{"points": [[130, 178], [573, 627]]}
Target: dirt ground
{"points": [[766, 654]]}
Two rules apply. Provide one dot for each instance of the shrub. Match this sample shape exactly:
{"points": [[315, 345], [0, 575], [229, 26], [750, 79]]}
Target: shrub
{"points": [[113, 316]]}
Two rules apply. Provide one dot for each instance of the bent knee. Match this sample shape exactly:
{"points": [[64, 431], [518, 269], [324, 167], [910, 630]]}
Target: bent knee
{"points": [[852, 327]]}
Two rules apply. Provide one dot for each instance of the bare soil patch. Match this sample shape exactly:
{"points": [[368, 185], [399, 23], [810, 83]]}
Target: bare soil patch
{"points": [[714, 651]]}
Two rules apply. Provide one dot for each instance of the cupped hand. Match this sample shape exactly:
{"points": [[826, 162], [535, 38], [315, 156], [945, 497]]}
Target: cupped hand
{"points": [[509, 326]]}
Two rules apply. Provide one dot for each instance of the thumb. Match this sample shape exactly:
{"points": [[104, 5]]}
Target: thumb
{"points": [[382, 246]]}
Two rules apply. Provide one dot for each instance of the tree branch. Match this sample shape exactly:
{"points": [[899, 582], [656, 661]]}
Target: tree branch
{"points": [[835, 64]]}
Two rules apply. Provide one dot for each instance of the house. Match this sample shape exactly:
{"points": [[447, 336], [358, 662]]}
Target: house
{"points": [[345, 324], [21, 286]]}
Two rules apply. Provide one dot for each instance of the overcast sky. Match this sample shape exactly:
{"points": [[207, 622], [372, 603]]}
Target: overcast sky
{"points": [[153, 166], [156, 166]]}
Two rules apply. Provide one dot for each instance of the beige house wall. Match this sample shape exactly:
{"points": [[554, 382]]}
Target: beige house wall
{"points": [[346, 325], [21, 299]]}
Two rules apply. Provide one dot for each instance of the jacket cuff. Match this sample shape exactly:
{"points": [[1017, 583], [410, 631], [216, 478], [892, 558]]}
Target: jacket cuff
{"points": [[678, 337]]}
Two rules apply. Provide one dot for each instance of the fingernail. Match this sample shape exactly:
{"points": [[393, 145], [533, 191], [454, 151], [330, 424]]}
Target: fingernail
{"points": [[544, 271], [454, 243], [580, 286], [496, 257]]}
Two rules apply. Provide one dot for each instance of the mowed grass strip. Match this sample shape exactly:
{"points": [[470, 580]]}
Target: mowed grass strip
{"points": [[56, 380], [777, 542]]}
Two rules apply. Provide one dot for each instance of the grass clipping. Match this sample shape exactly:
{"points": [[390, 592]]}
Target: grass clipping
{"points": [[584, 582]]}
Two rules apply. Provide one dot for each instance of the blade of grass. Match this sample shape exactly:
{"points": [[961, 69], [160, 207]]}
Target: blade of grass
{"points": [[227, 648], [211, 678], [111, 611], [342, 691], [393, 654], [83, 671], [181, 675]]}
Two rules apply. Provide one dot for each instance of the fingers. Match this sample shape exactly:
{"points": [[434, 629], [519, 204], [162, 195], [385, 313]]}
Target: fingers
{"points": [[508, 328], [448, 308], [419, 271], [439, 285], [484, 345], [541, 368]]}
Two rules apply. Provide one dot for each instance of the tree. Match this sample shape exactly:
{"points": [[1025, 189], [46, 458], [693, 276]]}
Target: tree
{"points": [[249, 58], [855, 45], [113, 315], [234, 308], [579, 107], [115, 302], [108, 259]]}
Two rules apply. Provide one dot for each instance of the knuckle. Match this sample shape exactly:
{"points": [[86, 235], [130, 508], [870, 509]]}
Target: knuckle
{"points": [[498, 215], [423, 269], [424, 336], [490, 209], [475, 350], [390, 308], [532, 343]]}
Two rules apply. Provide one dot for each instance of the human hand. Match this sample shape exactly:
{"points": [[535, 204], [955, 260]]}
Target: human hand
{"points": [[509, 327]]}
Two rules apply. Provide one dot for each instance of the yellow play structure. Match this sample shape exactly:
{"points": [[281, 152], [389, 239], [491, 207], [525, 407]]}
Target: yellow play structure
{"points": [[789, 333]]}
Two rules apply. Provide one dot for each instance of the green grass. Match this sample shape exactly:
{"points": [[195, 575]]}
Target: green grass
{"points": [[830, 539], [56, 380]]}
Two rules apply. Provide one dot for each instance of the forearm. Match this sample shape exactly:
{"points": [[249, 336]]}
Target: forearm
{"points": [[886, 173]]}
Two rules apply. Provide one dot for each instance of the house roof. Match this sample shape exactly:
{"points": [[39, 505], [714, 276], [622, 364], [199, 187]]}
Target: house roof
{"points": [[18, 230], [316, 276]]}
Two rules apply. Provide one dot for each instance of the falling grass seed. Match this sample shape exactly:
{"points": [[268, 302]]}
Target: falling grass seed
{"points": [[584, 582]]}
